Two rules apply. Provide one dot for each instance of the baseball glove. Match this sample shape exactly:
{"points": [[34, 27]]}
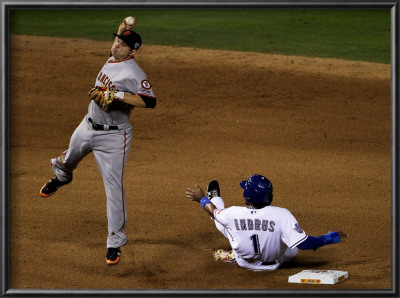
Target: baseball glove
{"points": [[224, 255], [103, 96]]}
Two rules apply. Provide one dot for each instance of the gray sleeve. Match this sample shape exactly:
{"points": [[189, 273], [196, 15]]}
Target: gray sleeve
{"points": [[145, 89]]}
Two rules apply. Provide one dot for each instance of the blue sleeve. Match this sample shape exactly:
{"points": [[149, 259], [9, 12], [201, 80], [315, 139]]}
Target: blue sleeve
{"points": [[314, 242]]}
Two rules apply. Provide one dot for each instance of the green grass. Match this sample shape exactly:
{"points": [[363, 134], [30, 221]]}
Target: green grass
{"points": [[347, 34]]}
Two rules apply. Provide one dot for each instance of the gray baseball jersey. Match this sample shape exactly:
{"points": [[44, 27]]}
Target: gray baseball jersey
{"points": [[108, 135], [125, 76]]}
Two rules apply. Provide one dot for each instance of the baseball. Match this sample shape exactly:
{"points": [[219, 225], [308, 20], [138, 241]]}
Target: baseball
{"points": [[130, 21]]}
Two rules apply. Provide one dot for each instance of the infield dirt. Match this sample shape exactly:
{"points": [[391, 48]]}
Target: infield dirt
{"points": [[320, 129]]}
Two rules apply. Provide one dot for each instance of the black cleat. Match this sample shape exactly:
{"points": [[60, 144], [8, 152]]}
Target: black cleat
{"points": [[113, 255], [52, 186], [213, 189]]}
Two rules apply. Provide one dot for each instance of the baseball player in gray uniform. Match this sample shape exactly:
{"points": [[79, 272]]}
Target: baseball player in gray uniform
{"points": [[262, 237], [105, 130]]}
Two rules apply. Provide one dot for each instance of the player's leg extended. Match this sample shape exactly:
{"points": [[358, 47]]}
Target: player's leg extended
{"points": [[111, 154], [79, 147], [64, 165]]}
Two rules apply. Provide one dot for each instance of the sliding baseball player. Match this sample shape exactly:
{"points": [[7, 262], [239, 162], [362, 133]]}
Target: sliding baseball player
{"points": [[262, 237]]}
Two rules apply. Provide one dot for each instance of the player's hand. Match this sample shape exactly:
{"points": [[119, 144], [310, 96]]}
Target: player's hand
{"points": [[336, 237], [342, 236], [195, 194], [124, 26]]}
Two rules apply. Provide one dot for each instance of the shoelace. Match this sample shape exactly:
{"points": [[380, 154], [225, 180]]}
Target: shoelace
{"points": [[213, 193]]}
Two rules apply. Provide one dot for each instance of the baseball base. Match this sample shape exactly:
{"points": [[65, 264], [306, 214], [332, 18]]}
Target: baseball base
{"points": [[318, 277]]}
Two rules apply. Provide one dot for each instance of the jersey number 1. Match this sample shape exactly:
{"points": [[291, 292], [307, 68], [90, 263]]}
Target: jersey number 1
{"points": [[256, 244]]}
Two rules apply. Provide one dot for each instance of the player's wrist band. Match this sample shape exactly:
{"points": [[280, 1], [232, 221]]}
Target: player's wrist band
{"points": [[119, 95], [204, 201]]}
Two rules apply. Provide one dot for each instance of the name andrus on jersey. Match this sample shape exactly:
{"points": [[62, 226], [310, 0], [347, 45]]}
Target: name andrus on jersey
{"points": [[254, 224]]}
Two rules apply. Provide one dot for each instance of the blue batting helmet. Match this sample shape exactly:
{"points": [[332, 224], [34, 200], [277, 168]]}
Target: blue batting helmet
{"points": [[257, 190]]}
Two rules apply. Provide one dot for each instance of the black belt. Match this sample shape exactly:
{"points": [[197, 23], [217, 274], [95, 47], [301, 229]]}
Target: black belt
{"points": [[97, 126]]}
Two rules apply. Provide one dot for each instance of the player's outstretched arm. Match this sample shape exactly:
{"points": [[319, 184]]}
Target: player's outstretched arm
{"points": [[197, 194], [315, 242]]}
